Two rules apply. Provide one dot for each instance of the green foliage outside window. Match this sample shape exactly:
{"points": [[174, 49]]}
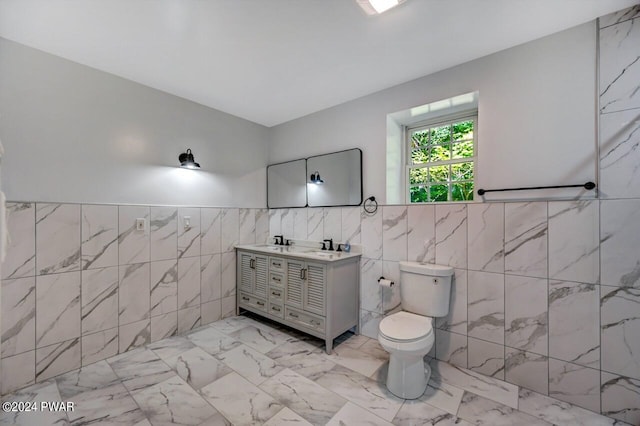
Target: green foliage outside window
{"points": [[446, 176]]}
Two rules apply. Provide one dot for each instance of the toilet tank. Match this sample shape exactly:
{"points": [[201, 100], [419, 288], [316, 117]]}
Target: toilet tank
{"points": [[425, 288]]}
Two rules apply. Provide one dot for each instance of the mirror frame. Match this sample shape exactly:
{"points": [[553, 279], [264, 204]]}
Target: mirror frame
{"points": [[306, 160], [361, 182], [306, 196]]}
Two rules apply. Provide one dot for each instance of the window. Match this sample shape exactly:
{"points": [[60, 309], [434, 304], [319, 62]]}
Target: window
{"points": [[440, 159]]}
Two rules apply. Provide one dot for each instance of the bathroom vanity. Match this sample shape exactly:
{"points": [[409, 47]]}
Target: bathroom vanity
{"points": [[313, 291]]}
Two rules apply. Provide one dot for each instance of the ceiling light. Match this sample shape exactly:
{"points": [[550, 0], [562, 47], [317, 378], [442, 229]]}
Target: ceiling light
{"points": [[186, 160], [376, 7]]}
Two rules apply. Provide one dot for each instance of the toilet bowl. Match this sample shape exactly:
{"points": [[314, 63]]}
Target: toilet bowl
{"points": [[408, 335], [408, 338]]}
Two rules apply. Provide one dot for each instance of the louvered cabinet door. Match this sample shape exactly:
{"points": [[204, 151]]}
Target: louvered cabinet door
{"points": [[262, 272], [295, 283], [246, 272], [314, 290]]}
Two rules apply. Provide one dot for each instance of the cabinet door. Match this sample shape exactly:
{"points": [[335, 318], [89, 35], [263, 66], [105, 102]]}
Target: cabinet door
{"points": [[245, 280], [295, 281], [261, 270], [314, 294]]}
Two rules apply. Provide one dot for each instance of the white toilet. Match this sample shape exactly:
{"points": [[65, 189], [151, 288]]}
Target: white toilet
{"points": [[408, 335]]}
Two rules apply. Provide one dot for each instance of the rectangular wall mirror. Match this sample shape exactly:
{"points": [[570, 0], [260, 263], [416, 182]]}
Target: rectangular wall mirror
{"points": [[287, 184], [335, 179]]}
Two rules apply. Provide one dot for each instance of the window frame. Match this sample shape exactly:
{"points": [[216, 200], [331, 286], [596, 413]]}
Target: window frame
{"points": [[450, 119]]}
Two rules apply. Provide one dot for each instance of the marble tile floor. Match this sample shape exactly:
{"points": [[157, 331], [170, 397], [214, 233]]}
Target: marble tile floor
{"points": [[247, 371]]}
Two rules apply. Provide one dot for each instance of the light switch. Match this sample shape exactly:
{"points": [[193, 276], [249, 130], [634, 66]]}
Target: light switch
{"points": [[186, 220], [140, 224]]}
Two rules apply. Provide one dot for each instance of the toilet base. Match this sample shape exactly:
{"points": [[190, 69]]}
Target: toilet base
{"points": [[407, 377]]}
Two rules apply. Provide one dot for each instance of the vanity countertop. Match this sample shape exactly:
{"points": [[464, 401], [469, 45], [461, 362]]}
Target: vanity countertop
{"points": [[298, 251]]}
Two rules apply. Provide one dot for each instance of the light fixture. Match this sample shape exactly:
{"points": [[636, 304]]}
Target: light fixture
{"points": [[186, 160], [315, 178], [376, 7]]}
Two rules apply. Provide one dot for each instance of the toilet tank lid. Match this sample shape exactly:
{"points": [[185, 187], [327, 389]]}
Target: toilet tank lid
{"points": [[427, 269]]}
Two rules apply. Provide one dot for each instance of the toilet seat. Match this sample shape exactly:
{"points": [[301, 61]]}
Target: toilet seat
{"points": [[405, 327]]}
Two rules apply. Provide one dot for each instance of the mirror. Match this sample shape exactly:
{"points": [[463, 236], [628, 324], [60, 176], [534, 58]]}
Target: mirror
{"points": [[335, 179], [287, 184]]}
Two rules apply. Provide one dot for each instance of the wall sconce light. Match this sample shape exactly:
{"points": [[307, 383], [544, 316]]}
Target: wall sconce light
{"points": [[186, 160], [315, 178]]}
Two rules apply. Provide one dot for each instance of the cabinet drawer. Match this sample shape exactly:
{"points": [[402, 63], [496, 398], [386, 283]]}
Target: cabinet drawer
{"points": [[254, 302], [276, 309], [305, 319], [276, 279], [276, 264], [276, 294]]}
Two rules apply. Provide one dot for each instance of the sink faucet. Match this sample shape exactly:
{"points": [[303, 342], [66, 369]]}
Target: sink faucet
{"points": [[278, 239], [330, 241]]}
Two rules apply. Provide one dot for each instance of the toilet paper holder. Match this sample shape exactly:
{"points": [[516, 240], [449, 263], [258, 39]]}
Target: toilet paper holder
{"points": [[391, 283]]}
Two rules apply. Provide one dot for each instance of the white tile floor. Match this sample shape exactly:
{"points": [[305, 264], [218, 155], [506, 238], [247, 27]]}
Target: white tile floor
{"points": [[244, 371]]}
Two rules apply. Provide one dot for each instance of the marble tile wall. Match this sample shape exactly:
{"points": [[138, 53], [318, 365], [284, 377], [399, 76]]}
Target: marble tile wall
{"points": [[619, 290], [81, 284], [552, 326]]}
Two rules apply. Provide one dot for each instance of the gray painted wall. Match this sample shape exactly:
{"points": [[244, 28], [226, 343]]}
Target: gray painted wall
{"points": [[537, 104], [75, 134], [535, 99]]}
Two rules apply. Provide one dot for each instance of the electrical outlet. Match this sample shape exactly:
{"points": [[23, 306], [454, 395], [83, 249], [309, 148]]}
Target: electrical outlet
{"points": [[186, 221], [140, 224]]}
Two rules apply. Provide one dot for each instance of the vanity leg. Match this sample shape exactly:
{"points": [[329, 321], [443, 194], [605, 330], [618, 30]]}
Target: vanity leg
{"points": [[328, 343]]}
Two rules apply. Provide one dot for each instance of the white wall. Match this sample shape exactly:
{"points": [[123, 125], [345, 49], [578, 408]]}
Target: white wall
{"points": [[537, 110], [75, 134]]}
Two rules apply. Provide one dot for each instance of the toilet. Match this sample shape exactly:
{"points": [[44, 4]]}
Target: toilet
{"points": [[408, 335]]}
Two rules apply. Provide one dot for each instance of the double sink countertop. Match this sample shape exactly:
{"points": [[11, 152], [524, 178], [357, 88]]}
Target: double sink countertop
{"points": [[301, 250]]}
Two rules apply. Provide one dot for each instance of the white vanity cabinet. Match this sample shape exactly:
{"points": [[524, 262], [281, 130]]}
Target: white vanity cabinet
{"points": [[315, 295]]}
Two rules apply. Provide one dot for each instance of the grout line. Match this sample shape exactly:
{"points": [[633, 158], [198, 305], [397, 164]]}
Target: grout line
{"points": [[35, 286], [599, 230], [80, 292], [118, 252], [504, 316], [548, 306]]}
